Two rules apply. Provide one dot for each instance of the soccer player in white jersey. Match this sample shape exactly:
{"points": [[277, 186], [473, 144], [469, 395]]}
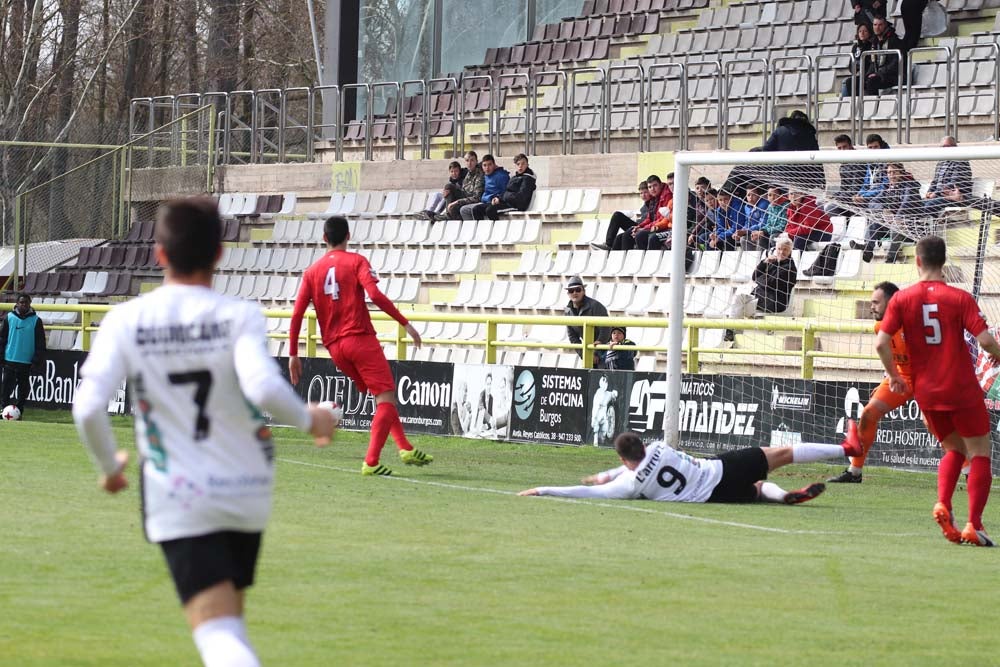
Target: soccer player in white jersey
{"points": [[660, 472], [198, 366]]}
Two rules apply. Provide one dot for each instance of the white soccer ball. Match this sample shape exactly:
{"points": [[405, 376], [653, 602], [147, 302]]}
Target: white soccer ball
{"points": [[11, 413], [336, 410]]}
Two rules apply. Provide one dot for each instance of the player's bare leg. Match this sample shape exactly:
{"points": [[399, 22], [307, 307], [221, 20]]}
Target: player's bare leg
{"points": [[215, 616], [977, 450], [386, 422]]}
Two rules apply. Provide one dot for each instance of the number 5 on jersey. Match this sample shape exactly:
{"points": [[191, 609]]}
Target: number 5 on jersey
{"points": [[330, 286], [931, 322]]}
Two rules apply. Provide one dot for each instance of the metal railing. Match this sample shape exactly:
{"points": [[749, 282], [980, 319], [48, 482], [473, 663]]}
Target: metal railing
{"points": [[492, 343], [258, 126]]}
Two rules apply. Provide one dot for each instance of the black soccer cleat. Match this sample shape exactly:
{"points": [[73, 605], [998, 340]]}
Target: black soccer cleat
{"points": [[846, 477]]}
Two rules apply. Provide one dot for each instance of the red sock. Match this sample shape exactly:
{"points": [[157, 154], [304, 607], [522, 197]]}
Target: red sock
{"points": [[396, 429], [948, 471], [381, 423], [980, 479]]}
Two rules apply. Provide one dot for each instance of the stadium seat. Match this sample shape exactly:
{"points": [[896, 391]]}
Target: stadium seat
{"points": [[708, 264]]}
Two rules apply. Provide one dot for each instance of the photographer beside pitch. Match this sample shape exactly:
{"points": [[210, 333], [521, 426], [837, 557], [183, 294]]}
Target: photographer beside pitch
{"points": [[197, 363]]}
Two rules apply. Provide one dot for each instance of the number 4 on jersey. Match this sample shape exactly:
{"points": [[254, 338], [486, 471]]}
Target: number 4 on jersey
{"points": [[330, 285]]}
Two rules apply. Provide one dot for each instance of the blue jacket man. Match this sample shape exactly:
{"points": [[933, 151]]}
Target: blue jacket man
{"points": [[22, 343], [729, 218], [494, 185]]}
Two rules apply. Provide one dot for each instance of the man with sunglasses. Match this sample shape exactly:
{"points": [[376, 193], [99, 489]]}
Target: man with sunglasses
{"points": [[581, 305]]}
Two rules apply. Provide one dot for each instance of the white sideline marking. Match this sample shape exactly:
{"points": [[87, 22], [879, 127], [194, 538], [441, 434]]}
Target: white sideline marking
{"points": [[617, 506]]}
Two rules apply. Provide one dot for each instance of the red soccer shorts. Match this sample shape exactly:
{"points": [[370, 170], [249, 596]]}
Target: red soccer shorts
{"points": [[891, 398], [361, 359], [969, 422]]}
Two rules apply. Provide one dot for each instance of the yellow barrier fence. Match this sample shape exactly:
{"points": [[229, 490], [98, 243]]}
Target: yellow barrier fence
{"points": [[807, 328]]}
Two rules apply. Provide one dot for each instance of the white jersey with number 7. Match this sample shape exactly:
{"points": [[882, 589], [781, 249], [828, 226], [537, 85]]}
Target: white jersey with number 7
{"points": [[188, 353]]}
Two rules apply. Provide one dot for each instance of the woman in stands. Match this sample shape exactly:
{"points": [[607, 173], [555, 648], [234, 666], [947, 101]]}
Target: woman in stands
{"points": [[862, 43]]}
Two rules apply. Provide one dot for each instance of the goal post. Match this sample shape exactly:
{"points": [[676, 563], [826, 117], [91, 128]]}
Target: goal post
{"points": [[760, 357]]}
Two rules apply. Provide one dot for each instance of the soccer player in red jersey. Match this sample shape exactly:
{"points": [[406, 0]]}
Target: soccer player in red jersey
{"points": [[934, 317], [336, 285]]}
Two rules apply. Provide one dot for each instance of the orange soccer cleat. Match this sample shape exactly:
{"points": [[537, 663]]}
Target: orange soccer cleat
{"points": [[946, 520]]}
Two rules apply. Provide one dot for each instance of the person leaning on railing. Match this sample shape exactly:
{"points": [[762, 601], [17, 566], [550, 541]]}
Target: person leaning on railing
{"points": [[581, 305]]}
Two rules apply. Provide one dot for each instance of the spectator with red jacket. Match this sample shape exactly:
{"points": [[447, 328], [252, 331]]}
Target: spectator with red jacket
{"points": [[657, 213], [807, 222]]}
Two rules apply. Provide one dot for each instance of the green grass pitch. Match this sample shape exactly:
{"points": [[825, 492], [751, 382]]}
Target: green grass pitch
{"points": [[445, 566]]}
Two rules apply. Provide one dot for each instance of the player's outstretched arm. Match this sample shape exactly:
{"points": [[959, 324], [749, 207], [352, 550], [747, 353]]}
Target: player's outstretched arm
{"points": [[989, 343], [603, 477]]}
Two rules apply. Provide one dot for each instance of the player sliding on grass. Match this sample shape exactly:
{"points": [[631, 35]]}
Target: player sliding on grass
{"points": [[660, 472], [934, 317], [336, 285], [197, 364]]}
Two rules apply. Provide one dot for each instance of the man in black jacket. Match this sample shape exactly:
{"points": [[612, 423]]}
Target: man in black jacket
{"points": [[774, 278], [852, 179], [22, 343], [951, 184], [581, 305], [520, 189], [795, 133], [886, 74]]}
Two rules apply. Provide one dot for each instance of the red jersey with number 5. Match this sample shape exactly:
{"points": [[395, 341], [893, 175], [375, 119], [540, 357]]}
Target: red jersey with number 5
{"points": [[336, 284], [934, 317]]}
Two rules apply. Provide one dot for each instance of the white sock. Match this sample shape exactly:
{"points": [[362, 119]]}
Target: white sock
{"points": [[772, 493], [222, 643], [808, 453], [854, 470]]}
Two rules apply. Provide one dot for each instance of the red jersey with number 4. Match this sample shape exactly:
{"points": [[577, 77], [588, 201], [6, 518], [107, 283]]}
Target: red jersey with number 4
{"points": [[336, 284], [934, 317]]}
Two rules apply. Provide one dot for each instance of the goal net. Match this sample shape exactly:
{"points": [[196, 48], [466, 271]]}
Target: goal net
{"points": [[781, 350]]}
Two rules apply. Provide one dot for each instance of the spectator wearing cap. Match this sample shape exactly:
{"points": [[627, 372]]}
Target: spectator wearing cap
{"points": [[581, 305], [619, 360]]}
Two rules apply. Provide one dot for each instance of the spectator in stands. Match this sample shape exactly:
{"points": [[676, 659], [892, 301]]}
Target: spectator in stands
{"points": [[773, 281], [852, 179], [862, 43], [951, 184], [704, 226], [866, 11], [755, 210], [912, 12], [795, 133], [885, 72], [495, 181], [581, 305], [807, 223], [520, 189], [452, 190], [775, 219], [658, 206], [892, 213], [619, 360], [472, 187], [621, 222], [875, 177], [22, 344], [729, 219]]}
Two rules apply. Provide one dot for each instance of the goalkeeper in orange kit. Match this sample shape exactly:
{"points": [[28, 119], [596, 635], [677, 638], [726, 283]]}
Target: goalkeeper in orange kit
{"points": [[883, 400]]}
